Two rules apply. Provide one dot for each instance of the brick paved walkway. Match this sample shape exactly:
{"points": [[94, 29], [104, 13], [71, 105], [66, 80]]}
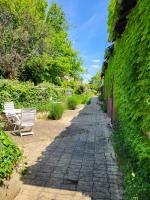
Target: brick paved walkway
{"points": [[79, 164]]}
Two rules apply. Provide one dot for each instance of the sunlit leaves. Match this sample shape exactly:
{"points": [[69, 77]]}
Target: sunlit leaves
{"points": [[130, 68], [10, 154]]}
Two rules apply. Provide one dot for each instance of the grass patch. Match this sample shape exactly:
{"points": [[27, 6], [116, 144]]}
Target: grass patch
{"points": [[56, 111], [85, 99], [72, 102], [44, 107]]}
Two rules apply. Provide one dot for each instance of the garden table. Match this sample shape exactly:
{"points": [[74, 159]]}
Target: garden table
{"points": [[13, 111], [17, 111]]}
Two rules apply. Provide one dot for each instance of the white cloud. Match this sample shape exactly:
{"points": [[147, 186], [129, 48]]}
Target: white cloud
{"points": [[85, 28], [96, 60]]}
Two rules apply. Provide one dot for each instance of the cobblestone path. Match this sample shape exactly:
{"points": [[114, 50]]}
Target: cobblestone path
{"points": [[80, 164]]}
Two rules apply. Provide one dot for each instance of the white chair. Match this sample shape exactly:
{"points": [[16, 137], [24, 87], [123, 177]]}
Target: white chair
{"points": [[9, 107], [27, 120], [9, 111]]}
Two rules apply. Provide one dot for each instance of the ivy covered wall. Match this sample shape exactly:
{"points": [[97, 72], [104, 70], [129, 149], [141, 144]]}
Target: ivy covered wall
{"points": [[129, 70]]}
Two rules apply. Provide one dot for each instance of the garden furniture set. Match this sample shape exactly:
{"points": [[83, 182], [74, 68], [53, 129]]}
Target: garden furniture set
{"points": [[22, 120]]}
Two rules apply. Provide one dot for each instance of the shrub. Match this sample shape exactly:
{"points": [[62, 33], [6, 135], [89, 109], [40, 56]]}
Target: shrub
{"points": [[85, 99], [10, 155], [72, 102], [80, 89], [89, 101], [56, 111], [25, 94], [44, 107], [104, 107], [101, 98]]}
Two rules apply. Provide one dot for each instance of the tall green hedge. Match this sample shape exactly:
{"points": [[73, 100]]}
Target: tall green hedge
{"points": [[10, 155], [112, 18], [25, 94], [129, 69]]}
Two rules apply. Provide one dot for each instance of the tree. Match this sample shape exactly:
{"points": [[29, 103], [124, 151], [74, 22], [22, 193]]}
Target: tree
{"points": [[56, 18], [96, 82], [34, 44], [20, 33], [64, 61]]}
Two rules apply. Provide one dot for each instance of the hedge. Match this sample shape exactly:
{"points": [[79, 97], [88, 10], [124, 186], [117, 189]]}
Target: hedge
{"points": [[129, 69], [25, 94]]}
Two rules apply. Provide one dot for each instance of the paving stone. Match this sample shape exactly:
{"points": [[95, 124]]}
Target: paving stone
{"points": [[54, 183], [80, 164], [85, 186], [68, 186], [101, 194]]}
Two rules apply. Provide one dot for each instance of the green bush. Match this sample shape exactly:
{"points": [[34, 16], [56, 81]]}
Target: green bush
{"points": [[104, 107], [56, 111], [80, 89], [72, 102], [85, 99], [10, 155], [25, 94], [101, 98], [89, 101], [45, 107]]}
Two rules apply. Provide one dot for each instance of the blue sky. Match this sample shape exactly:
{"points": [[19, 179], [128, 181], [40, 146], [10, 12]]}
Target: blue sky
{"points": [[88, 30]]}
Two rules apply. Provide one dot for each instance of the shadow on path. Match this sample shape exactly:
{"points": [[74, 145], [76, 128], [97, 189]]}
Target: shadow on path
{"points": [[80, 159]]}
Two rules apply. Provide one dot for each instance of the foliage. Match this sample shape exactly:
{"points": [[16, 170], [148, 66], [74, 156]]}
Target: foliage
{"points": [[135, 165], [109, 52], [72, 102], [117, 18], [33, 70], [112, 17], [96, 82], [10, 155], [21, 33], [28, 95], [104, 67], [35, 44], [56, 111], [129, 69], [89, 101], [80, 89], [86, 99], [101, 98], [56, 18], [44, 107], [63, 60], [104, 106]]}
